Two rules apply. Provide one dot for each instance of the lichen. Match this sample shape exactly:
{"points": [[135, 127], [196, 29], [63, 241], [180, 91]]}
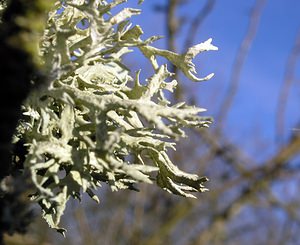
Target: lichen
{"points": [[93, 122]]}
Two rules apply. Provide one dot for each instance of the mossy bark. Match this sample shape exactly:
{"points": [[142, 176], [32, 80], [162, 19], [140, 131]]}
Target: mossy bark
{"points": [[18, 40]]}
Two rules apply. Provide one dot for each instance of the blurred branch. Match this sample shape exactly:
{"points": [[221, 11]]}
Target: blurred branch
{"points": [[258, 181], [177, 214], [172, 25], [20, 240], [286, 86], [240, 59], [290, 208], [197, 21], [220, 148], [85, 231], [171, 30], [286, 233], [117, 220], [272, 167], [285, 154], [240, 231]]}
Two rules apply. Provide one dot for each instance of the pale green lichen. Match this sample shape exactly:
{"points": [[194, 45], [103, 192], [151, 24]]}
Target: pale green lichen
{"points": [[3, 5], [89, 124]]}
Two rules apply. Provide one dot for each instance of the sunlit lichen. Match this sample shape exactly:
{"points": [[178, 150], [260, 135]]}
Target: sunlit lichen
{"points": [[90, 125]]}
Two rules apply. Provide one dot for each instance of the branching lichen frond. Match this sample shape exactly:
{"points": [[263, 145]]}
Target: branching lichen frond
{"points": [[94, 123]]}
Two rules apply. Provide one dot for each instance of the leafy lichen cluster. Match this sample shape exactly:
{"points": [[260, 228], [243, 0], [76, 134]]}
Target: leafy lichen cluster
{"points": [[93, 122]]}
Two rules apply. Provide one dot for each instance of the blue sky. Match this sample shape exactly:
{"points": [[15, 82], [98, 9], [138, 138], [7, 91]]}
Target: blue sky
{"points": [[254, 107]]}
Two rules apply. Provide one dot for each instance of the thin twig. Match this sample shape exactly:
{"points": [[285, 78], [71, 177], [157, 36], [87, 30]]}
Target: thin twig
{"points": [[172, 24], [171, 30], [197, 22], [240, 59], [84, 226], [286, 86], [260, 178]]}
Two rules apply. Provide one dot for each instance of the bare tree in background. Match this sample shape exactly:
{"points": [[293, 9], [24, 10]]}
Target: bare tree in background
{"points": [[242, 206]]}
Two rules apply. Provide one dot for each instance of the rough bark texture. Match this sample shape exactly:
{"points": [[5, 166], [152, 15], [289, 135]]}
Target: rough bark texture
{"points": [[17, 72]]}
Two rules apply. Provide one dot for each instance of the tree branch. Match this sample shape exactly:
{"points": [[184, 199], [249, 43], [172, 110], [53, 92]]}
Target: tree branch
{"points": [[240, 59], [286, 86]]}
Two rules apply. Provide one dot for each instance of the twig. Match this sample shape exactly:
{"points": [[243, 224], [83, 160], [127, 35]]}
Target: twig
{"points": [[258, 181], [197, 22], [172, 24], [286, 86], [171, 30], [240, 59]]}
